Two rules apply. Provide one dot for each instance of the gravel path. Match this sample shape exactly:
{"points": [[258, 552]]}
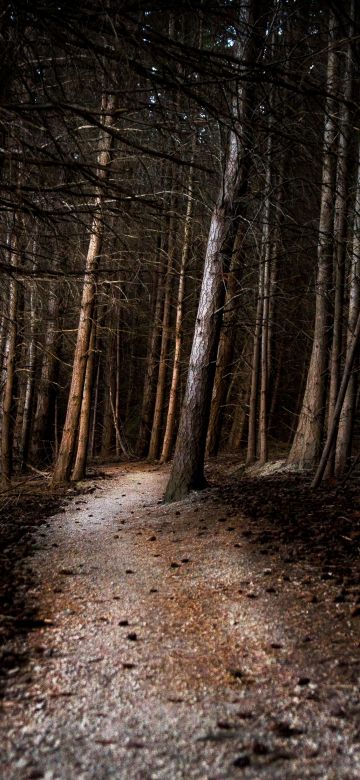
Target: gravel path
{"points": [[168, 648]]}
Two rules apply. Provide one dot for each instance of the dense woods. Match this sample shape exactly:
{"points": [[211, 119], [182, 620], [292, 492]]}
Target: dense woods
{"points": [[180, 233]]}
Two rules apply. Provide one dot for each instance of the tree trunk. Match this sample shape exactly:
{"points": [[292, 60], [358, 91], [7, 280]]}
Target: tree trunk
{"points": [[255, 366], [225, 355], [109, 389], [343, 444], [331, 437], [120, 440], [9, 366], [30, 385], [265, 356], [95, 409], [79, 470], [165, 338], [39, 445], [170, 421], [242, 402], [340, 229], [144, 434], [306, 446], [66, 450], [188, 466]]}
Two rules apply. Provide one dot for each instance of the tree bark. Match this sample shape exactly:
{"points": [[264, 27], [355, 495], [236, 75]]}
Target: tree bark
{"points": [[39, 445], [255, 367], [306, 446], [331, 437], [165, 338], [30, 385], [171, 414], [346, 423], [9, 366], [340, 229], [188, 466], [146, 414], [79, 470], [109, 389], [63, 464], [265, 356], [225, 355], [237, 431]]}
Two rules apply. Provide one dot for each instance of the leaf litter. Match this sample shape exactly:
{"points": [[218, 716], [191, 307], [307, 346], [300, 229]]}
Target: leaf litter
{"points": [[244, 663]]}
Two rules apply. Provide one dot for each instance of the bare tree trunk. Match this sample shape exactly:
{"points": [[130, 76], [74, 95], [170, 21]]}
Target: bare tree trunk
{"points": [[225, 355], [343, 444], [122, 446], [331, 437], [109, 385], [30, 384], [340, 228], [306, 446], [95, 409], [170, 421], [276, 385], [273, 342], [188, 466], [79, 470], [237, 431], [9, 366], [265, 353], [254, 386], [65, 456], [40, 432], [264, 362], [143, 441], [165, 338]]}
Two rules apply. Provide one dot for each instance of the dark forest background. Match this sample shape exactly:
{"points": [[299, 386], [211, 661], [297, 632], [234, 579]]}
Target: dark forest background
{"points": [[156, 158]]}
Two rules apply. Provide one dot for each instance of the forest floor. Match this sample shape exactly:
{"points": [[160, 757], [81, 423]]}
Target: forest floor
{"points": [[217, 637]]}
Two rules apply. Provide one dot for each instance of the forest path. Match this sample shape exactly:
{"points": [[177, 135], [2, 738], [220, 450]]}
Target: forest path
{"points": [[172, 649]]}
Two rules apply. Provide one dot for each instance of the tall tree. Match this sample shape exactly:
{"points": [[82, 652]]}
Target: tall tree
{"points": [[346, 421], [306, 446], [340, 235], [188, 465], [66, 451], [9, 360], [175, 378]]}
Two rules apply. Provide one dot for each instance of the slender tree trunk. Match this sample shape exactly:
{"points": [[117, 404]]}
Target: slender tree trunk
{"points": [[39, 449], [346, 423], [79, 470], [30, 384], [265, 356], [170, 421], [66, 450], [225, 354], [117, 387], [188, 466], [109, 384], [306, 447], [276, 386], [254, 385], [9, 366], [242, 402], [122, 446], [264, 363], [95, 409], [331, 437], [165, 338], [273, 343], [143, 441], [340, 229]]}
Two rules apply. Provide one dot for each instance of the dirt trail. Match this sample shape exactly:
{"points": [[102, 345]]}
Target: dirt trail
{"points": [[171, 649]]}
